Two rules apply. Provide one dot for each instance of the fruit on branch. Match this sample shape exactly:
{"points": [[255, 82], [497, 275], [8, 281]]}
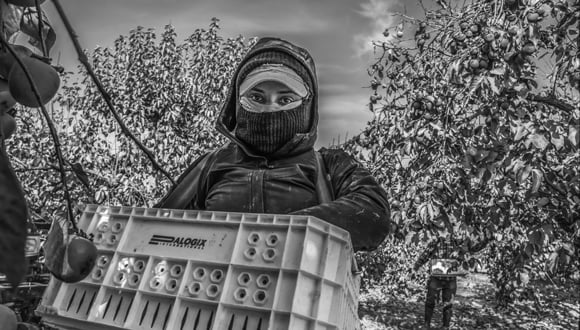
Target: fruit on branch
{"points": [[44, 76], [504, 43], [459, 36], [489, 37], [79, 259], [24, 3], [513, 30], [529, 49], [6, 99], [474, 63], [7, 60], [81, 255], [474, 28], [400, 34], [7, 125], [533, 17]]}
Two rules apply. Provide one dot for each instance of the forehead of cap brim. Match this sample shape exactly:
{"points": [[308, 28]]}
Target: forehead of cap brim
{"points": [[278, 73]]}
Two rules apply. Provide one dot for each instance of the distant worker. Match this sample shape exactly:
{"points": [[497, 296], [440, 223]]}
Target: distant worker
{"points": [[445, 254]]}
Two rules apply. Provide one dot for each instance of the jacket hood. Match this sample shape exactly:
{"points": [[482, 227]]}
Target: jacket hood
{"points": [[226, 121]]}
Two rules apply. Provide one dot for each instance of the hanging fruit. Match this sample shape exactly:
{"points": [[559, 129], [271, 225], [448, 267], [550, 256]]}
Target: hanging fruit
{"points": [[44, 77], [7, 60]]}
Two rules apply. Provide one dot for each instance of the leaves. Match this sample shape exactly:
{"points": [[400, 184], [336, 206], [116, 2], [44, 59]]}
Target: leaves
{"points": [[538, 140], [573, 136]]}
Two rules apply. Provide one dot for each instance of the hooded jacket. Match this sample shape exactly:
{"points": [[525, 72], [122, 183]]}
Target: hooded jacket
{"points": [[233, 179]]}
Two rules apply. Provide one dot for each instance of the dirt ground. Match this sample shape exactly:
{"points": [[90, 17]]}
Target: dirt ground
{"points": [[474, 308]]}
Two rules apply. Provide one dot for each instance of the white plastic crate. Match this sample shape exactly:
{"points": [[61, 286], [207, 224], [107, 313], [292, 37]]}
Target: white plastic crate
{"points": [[176, 269]]}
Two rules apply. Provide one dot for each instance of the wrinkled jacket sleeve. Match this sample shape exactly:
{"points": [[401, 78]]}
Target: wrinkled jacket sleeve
{"points": [[360, 205], [185, 194]]}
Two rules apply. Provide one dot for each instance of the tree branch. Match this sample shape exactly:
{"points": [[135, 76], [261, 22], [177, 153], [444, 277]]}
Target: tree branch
{"points": [[84, 60], [52, 130], [550, 100]]}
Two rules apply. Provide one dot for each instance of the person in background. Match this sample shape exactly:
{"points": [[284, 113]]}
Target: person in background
{"points": [[269, 165], [445, 254]]}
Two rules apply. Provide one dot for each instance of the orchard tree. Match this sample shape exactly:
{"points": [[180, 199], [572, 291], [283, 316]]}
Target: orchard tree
{"points": [[118, 132], [476, 126], [166, 93]]}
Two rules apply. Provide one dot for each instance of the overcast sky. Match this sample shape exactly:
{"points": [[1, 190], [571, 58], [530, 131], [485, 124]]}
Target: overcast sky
{"points": [[336, 32]]}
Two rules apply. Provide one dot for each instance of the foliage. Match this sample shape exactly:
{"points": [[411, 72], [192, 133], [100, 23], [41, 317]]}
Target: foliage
{"points": [[167, 93], [476, 127], [389, 267]]}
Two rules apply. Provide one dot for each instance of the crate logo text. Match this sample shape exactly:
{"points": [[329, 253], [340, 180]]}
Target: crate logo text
{"points": [[181, 242]]}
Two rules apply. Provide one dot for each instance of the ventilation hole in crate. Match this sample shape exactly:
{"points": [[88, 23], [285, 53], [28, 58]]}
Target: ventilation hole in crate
{"points": [[167, 316], [155, 283], [240, 294], [250, 253], [99, 238], [139, 266], [112, 239], [118, 308], [171, 285], [155, 314], [197, 319], [161, 268], [194, 288], [91, 303], [210, 321], [81, 302], [107, 306], [269, 255], [199, 273], [231, 325], [216, 275], [244, 279], [272, 240], [117, 227], [71, 299], [263, 281], [245, 326], [103, 261], [103, 226], [212, 291], [254, 238], [176, 270], [128, 309], [97, 274], [259, 324], [119, 278], [184, 318], [134, 279]]}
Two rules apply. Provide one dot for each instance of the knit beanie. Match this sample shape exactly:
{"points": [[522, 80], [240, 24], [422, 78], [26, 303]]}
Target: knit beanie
{"points": [[265, 133]]}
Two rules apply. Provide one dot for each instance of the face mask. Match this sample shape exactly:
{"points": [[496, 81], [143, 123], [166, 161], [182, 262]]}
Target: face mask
{"points": [[266, 132]]}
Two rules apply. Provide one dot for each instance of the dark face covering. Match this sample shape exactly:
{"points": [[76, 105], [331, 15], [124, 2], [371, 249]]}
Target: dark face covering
{"points": [[266, 132]]}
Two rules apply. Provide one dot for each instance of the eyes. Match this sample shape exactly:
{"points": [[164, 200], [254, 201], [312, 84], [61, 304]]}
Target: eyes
{"points": [[280, 99]]}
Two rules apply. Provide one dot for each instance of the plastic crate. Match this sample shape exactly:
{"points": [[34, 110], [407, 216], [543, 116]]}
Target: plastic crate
{"points": [[177, 269]]}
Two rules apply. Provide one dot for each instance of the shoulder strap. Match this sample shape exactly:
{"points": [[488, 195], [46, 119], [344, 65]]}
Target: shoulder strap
{"points": [[323, 183]]}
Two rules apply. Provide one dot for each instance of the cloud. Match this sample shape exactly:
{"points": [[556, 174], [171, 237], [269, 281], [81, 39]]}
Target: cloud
{"points": [[379, 13]]}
